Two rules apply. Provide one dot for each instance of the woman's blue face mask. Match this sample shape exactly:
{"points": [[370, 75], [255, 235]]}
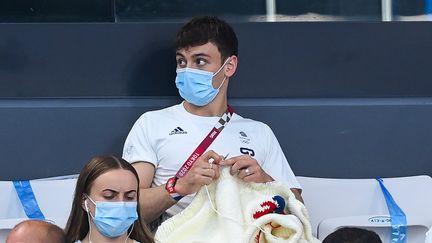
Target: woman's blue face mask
{"points": [[112, 219], [196, 86]]}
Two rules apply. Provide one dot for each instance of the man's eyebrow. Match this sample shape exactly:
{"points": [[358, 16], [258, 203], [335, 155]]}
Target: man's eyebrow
{"points": [[201, 54], [194, 55]]}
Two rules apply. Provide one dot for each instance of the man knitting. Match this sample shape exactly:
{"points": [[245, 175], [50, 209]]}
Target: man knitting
{"points": [[171, 148]]}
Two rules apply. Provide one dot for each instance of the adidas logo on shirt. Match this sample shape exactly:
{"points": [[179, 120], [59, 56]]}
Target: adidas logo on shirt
{"points": [[177, 130]]}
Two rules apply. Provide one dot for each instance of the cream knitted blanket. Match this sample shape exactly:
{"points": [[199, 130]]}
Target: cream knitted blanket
{"points": [[233, 211]]}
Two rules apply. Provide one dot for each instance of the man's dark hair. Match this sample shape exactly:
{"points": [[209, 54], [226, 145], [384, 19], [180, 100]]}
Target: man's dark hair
{"points": [[201, 30], [352, 235]]}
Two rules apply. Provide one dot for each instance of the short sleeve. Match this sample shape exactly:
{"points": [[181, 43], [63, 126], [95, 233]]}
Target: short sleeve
{"points": [[138, 146], [276, 164]]}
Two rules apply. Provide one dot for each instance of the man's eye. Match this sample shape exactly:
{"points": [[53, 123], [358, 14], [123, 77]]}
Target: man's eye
{"points": [[181, 62], [200, 61]]}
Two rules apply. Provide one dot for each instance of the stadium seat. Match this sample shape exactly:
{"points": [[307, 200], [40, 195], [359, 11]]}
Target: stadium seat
{"points": [[54, 197], [429, 236], [335, 203]]}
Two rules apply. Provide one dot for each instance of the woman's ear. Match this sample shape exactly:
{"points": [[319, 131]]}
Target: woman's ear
{"points": [[231, 66], [84, 205]]}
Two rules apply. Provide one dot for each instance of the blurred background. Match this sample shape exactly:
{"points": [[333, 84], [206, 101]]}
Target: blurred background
{"points": [[237, 10]]}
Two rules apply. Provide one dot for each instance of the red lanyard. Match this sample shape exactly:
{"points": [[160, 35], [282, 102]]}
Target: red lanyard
{"points": [[202, 147]]}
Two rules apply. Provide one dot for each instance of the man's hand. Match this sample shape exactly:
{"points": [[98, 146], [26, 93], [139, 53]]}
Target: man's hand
{"points": [[201, 173], [246, 168]]}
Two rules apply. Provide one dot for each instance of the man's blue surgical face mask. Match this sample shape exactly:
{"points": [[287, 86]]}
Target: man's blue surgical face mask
{"points": [[196, 86], [112, 219]]}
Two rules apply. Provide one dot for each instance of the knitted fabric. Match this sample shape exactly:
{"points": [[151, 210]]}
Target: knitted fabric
{"points": [[242, 209]]}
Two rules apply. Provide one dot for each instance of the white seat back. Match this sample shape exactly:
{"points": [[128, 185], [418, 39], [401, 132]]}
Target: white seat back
{"points": [[429, 236], [54, 198], [334, 203]]}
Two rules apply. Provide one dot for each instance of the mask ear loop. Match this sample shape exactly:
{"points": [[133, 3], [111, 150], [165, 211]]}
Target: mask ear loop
{"points": [[223, 65], [88, 217], [219, 71], [222, 83], [130, 232]]}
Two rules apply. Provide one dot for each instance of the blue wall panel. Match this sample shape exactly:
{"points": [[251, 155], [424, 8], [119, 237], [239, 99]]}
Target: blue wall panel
{"points": [[343, 138]]}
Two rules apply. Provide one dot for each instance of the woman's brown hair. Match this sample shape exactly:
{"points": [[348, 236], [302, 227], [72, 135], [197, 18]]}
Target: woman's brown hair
{"points": [[77, 226]]}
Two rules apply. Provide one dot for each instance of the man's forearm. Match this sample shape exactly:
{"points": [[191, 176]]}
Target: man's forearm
{"points": [[154, 202]]}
